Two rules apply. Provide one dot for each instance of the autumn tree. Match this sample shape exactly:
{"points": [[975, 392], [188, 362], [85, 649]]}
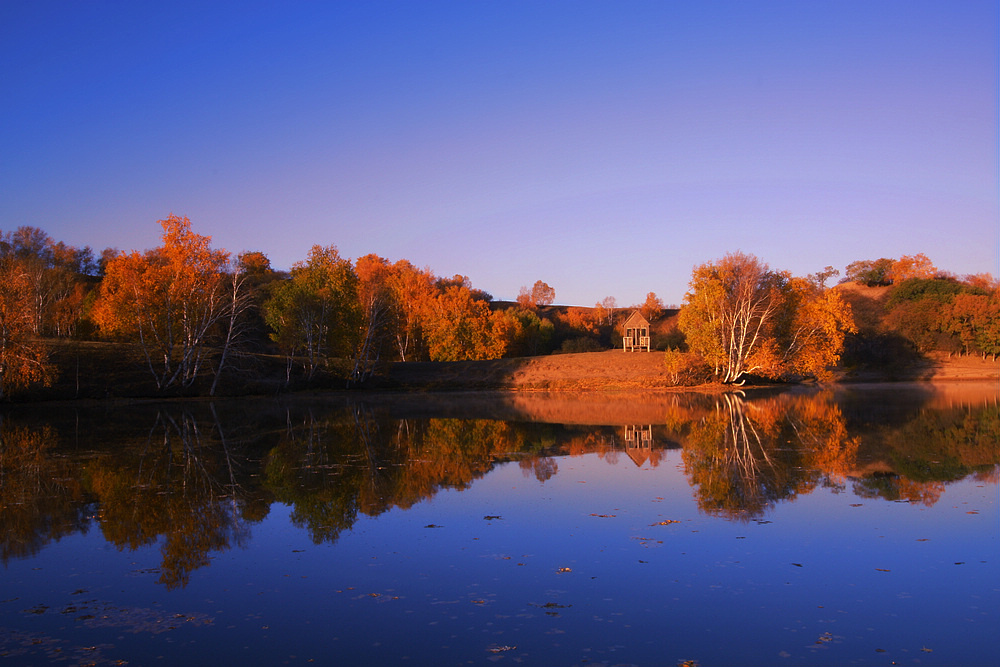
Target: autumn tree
{"points": [[811, 331], [652, 308], [943, 314], [540, 295], [23, 358], [605, 310], [241, 301], [908, 267], [531, 334], [413, 295], [820, 277], [742, 317], [377, 310], [315, 311], [167, 300], [459, 327], [59, 278]]}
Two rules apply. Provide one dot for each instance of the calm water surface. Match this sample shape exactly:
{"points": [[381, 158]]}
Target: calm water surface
{"points": [[856, 526]]}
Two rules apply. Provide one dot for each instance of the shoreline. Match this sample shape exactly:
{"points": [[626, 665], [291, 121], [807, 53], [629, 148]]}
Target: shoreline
{"points": [[609, 372]]}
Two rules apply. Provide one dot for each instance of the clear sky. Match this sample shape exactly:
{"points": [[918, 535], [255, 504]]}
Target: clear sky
{"points": [[603, 147]]}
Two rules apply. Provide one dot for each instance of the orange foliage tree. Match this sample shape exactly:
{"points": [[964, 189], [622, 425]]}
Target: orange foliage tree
{"points": [[166, 300], [652, 308], [459, 327], [377, 310], [912, 266], [413, 293], [742, 317], [541, 294], [23, 359]]}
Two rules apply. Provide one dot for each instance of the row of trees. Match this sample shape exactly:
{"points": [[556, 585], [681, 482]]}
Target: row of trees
{"points": [[740, 317], [193, 310]]}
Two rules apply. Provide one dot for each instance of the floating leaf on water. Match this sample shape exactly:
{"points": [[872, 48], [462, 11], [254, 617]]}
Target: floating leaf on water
{"points": [[565, 569], [881, 569], [797, 564], [491, 517], [432, 525], [501, 649], [667, 522]]}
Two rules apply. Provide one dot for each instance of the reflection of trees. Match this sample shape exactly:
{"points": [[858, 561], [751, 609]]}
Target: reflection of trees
{"points": [[194, 480], [932, 448], [40, 499], [178, 485], [743, 456], [332, 467]]}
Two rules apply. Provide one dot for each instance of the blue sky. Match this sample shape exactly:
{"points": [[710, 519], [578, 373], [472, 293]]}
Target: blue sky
{"points": [[603, 147]]}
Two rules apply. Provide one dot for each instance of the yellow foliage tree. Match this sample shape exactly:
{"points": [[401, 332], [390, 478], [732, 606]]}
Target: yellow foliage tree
{"points": [[742, 317], [459, 327]]}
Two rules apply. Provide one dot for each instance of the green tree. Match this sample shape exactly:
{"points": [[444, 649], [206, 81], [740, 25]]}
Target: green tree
{"points": [[315, 311], [873, 273]]}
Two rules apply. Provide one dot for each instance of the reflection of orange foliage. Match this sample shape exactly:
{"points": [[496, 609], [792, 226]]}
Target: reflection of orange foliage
{"points": [[745, 455], [36, 490], [925, 493], [822, 431]]}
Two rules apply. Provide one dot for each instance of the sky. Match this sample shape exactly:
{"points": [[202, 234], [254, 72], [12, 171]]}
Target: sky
{"points": [[605, 148]]}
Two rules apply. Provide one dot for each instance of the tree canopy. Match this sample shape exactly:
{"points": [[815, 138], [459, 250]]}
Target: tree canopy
{"points": [[742, 317]]}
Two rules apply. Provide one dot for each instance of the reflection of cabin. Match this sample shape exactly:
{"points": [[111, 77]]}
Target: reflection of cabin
{"points": [[638, 443], [636, 335]]}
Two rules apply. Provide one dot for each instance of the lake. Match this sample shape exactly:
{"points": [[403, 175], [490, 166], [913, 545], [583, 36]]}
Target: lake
{"points": [[856, 525]]}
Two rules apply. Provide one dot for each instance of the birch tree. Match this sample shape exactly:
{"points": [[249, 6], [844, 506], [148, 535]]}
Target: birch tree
{"points": [[167, 300], [23, 359], [742, 317]]}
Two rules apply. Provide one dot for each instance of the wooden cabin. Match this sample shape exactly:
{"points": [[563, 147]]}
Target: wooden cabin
{"points": [[636, 333]]}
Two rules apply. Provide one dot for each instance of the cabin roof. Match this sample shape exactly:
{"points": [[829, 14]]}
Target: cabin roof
{"points": [[636, 320]]}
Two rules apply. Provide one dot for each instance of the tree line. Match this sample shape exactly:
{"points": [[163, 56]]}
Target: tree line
{"points": [[196, 312], [741, 318]]}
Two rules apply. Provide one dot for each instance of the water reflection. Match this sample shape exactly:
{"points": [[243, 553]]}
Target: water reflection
{"points": [[194, 478]]}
